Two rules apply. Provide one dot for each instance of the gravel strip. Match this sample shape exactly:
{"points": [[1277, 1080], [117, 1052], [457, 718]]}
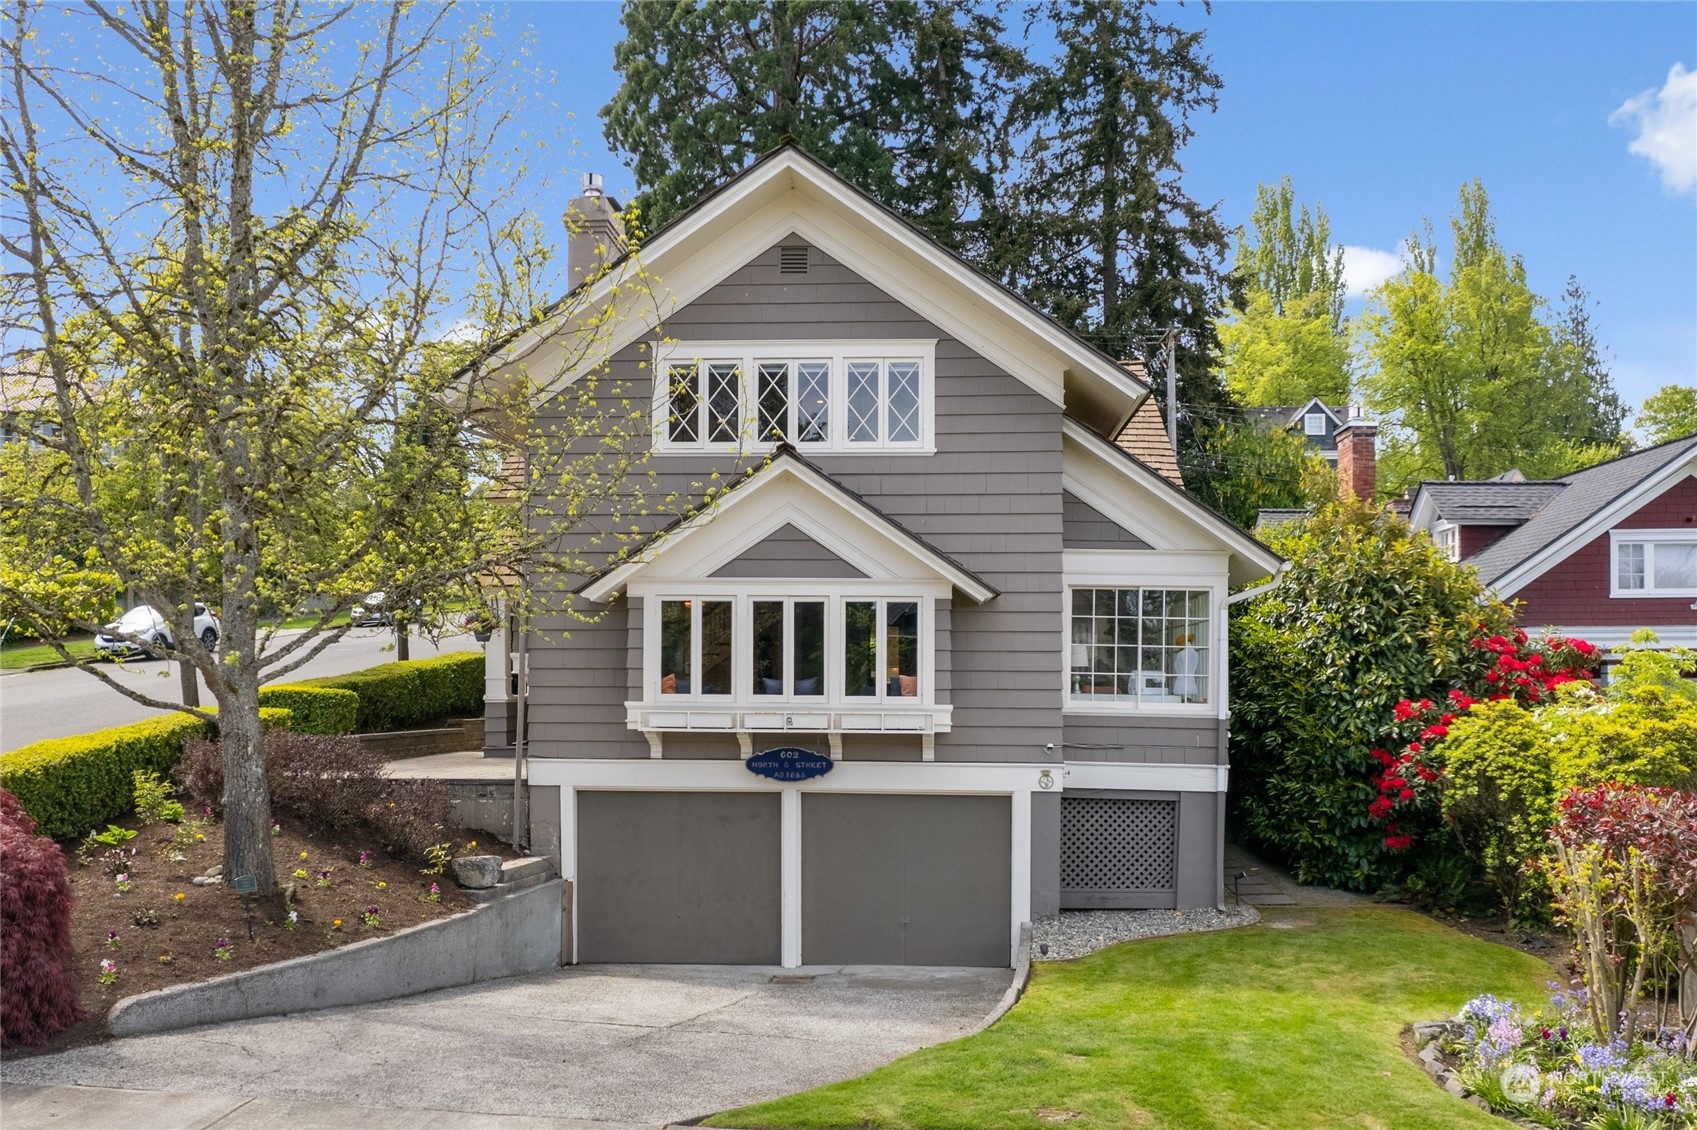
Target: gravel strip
{"points": [[1078, 932]]}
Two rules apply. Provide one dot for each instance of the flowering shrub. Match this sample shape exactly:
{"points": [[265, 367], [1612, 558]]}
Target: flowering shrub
{"points": [[108, 971], [1548, 1068], [372, 917], [1625, 879], [111, 939], [38, 993], [223, 951]]}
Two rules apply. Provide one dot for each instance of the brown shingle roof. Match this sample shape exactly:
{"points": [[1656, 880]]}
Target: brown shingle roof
{"points": [[1144, 436]]}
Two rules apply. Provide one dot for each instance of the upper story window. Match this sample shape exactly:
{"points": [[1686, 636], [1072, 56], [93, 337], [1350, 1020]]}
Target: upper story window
{"points": [[1655, 562], [1139, 646], [1448, 539], [818, 396], [757, 649], [1314, 424]]}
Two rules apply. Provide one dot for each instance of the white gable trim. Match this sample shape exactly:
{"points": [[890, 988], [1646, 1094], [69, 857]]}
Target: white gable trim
{"points": [[789, 192], [1594, 527], [786, 492], [1312, 404], [1141, 502]]}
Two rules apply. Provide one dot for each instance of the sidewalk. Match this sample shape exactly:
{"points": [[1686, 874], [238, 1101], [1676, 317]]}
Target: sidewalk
{"points": [[25, 1106]]}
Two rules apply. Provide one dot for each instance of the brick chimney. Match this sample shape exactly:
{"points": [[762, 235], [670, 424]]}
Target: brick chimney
{"points": [[1358, 462], [594, 229]]}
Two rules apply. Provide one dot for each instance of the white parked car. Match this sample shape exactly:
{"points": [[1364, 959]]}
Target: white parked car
{"points": [[143, 625]]}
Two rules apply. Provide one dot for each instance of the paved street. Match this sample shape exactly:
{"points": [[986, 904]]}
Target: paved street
{"points": [[612, 1045], [54, 704]]}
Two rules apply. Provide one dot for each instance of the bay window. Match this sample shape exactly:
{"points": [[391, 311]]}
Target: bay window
{"points": [[821, 396], [1655, 563], [695, 635], [756, 648], [1139, 646]]}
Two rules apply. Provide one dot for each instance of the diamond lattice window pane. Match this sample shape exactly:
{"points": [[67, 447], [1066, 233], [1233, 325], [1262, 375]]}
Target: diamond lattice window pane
{"points": [[774, 400], [863, 401], [901, 411], [724, 404], [685, 423], [813, 402]]}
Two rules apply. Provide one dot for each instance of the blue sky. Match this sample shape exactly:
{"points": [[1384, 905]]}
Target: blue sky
{"points": [[1380, 111]]}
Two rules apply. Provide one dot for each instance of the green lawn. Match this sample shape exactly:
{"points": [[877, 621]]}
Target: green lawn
{"points": [[27, 653], [1293, 1023]]}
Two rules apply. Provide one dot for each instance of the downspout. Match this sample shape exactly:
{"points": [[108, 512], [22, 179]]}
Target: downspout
{"points": [[1222, 767], [521, 799]]}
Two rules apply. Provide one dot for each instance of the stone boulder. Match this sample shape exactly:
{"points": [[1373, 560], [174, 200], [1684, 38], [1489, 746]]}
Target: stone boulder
{"points": [[478, 872]]}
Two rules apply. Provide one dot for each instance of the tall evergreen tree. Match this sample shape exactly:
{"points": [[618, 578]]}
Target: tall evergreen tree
{"points": [[906, 100], [1597, 416], [1101, 232]]}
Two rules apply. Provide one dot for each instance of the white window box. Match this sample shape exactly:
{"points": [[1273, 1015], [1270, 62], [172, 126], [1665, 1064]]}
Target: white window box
{"points": [[656, 719]]}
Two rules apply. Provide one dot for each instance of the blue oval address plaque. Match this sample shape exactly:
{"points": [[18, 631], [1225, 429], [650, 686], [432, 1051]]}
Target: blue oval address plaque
{"points": [[787, 763]]}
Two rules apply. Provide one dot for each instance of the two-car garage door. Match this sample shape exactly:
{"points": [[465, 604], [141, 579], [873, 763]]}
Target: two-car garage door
{"points": [[886, 879]]}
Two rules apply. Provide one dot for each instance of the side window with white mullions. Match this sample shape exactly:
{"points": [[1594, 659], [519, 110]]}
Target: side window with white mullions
{"points": [[847, 398]]}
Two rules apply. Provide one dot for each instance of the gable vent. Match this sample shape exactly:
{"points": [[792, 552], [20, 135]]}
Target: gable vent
{"points": [[792, 260]]}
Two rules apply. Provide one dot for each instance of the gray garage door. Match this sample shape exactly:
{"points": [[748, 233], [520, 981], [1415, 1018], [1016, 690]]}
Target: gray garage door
{"points": [[1119, 850], [678, 877], [904, 880]]}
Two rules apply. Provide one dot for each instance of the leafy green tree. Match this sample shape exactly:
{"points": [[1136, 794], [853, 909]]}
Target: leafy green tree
{"points": [[1282, 340], [307, 197], [1669, 413], [1241, 469], [1369, 613], [1470, 379], [1100, 231]]}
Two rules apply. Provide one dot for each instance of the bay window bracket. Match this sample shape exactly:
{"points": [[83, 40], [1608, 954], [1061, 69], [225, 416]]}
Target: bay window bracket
{"points": [[836, 740], [654, 738], [745, 743]]}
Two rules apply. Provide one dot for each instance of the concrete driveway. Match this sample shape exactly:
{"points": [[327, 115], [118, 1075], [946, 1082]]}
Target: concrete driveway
{"points": [[635, 1044]]}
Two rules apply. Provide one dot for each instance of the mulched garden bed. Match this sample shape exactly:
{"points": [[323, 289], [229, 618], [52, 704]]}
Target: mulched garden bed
{"points": [[169, 931]]}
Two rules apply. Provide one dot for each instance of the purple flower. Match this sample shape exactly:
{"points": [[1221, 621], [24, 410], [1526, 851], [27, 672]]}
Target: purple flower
{"points": [[1603, 1057], [371, 910], [1631, 1090]]}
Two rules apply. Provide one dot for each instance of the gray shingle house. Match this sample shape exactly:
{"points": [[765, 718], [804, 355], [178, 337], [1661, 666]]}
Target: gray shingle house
{"points": [[947, 660]]}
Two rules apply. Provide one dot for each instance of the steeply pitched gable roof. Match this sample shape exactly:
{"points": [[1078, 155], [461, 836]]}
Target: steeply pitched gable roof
{"points": [[1581, 502], [789, 191]]}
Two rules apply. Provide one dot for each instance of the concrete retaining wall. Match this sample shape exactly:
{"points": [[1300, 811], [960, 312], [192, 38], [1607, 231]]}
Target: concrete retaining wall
{"points": [[453, 736], [517, 933]]}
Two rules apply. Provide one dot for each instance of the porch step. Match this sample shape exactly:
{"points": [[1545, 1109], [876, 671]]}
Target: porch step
{"points": [[515, 869], [516, 875]]}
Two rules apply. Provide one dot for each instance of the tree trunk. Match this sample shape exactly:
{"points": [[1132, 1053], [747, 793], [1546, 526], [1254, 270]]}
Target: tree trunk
{"points": [[190, 681], [247, 800], [403, 634]]}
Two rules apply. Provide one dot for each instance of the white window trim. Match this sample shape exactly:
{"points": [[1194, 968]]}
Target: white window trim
{"points": [[742, 711], [748, 355], [1447, 537], [1647, 538], [1314, 424], [1119, 569]]}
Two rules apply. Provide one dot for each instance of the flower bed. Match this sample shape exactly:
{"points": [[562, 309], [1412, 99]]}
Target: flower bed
{"points": [[141, 922], [1546, 1067]]}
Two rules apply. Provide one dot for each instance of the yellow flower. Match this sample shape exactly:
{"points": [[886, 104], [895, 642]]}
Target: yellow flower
{"points": [[303, 855], [179, 896], [335, 923], [199, 838], [382, 886]]}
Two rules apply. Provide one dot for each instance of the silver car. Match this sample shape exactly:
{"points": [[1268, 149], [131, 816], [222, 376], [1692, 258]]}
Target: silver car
{"points": [[141, 627]]}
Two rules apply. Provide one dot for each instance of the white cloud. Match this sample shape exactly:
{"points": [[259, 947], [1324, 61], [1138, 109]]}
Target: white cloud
{"points": [[1666, 123], [1365, 269]]}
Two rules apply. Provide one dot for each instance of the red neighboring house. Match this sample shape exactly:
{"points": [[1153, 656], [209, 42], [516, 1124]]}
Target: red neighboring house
{"points": [[1596, 554]]}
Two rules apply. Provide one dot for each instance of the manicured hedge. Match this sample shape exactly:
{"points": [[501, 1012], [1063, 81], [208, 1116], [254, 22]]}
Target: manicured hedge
{"points": [[393, 696], [72, 786], [316, 710]]}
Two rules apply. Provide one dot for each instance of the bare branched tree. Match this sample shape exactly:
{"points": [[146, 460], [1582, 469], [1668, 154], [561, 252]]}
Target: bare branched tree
{"points": [[253, 251]]}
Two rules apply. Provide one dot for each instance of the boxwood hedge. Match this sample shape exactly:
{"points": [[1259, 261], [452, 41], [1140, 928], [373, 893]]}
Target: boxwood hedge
{"points": [[316, 710], [394, 696], [71, 786]]}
